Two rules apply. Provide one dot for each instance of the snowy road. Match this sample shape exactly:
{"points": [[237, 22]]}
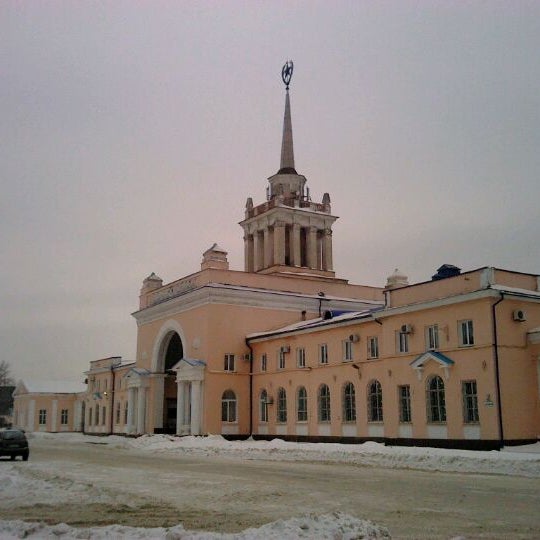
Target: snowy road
{"points": [[111, 482]]}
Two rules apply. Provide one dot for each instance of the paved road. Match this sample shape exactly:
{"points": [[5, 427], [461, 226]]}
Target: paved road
{"points": [[230, 495]]}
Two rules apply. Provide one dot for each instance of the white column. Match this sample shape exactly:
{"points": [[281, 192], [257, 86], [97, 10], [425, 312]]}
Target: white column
{"points": [[296, 256], [312, 247], [158, 399], [54, 414], [279, 243], [195, 407], [131, 410], [180, 407], [327, 250], [257, 251], [141, 409]]}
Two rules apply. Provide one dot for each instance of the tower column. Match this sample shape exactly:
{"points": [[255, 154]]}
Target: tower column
{"points": [[312, 247], [327, 250], [257, 251], [296, 258], [279, 242], [268, 247], [248, 252]]}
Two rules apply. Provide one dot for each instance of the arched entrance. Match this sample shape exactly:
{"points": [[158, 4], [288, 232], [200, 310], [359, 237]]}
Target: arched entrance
{"points": [[172, 353]]}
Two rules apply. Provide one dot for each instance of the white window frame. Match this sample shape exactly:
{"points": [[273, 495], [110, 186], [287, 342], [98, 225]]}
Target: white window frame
{"points": [[264, 362], [436, 401], [402, 342], [373, 347], [263, 406], [301, 405], [229, 362], [301, 357], [466, 333], [469, 391], [64, 417], [349, 403], [347, 346], [281, 358], [42, 417], [126, 408], [375, 402], [118, 412], [404, 398], [229, 407], [432, 337], [323, 354], [281, 406]]}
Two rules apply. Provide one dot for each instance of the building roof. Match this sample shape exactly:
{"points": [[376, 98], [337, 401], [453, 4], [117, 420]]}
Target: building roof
{"points": [[49, 387]]}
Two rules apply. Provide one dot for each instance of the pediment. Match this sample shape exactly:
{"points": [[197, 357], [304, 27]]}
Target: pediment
{"points": [[442, 360], [189, 369]]}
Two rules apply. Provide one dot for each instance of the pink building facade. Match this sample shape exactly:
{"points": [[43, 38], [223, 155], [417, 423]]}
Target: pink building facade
{"points": [[285, 348]]}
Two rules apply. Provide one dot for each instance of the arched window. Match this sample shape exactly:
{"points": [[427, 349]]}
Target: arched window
{"points": [[228, 406], [281, 410], [349, 402], [375, 408], [324, 403], [301, 404], [436, 407], [263, 410]]}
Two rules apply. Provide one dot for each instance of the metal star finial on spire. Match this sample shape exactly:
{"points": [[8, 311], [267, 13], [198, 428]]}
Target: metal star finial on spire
{"points": [[286, 73]]}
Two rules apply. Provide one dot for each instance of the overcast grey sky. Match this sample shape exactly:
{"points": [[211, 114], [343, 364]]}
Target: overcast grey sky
{"points": [[132, 132]]}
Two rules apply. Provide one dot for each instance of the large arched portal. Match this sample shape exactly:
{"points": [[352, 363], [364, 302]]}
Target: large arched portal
{"points": [[172, 353]]}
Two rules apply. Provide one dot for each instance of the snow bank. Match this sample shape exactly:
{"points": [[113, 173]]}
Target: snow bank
{"points": [[335, 526]]}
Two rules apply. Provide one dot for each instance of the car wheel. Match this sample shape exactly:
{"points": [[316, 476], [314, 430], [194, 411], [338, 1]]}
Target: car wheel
{"points": [[25, 456], [12, 457]]}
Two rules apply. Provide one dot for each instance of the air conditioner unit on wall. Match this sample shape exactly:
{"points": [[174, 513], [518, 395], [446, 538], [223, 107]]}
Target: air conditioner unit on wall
{"points": [[285, 349], [406, 329], [355, 338], [519, 315]]}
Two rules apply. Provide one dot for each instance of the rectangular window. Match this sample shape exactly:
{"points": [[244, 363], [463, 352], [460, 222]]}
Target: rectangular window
{"points": [[301, 357], [466, 335], [42, 417], [64, 417], [470, 402], [373, 347], [347, 350], [323, 353], [281, 358], [118, 411], [432, 337], [402, 342], [105, 384], [126, 406], [229, 362], [404, 403], [103, 415], [263, 362]]}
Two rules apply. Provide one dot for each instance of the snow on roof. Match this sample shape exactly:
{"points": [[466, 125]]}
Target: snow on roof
{"points": [[53, 387], [516, 290]]}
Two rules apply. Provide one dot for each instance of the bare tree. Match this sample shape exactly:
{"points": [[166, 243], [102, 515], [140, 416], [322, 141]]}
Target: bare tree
{"points": [[5, 377]]}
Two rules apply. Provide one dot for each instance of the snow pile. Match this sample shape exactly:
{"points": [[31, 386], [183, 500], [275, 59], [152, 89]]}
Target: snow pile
{"points": [[510, 462], [335, 526]]}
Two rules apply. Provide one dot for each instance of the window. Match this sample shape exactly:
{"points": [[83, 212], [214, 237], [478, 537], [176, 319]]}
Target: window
{"points": [[228, 406], [435, 400], [432, 337], [466, 335], [103, 415], [118, 411], [470, 402], [90, 416], [347, 350], [42, 417], [404, 403], [263, 404], [105, 384], [402, 342], [349, 403], [126, 405], [64, 417], [229, 362], [281, 410], [323, 353], [324, 403], [373, 347], [97, 415], [281, 358], [301, 357], [301, 405], [375, 409], [263, 362]]}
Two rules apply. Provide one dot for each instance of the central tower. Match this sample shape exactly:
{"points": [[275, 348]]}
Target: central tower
{"points": [[289, 233]]}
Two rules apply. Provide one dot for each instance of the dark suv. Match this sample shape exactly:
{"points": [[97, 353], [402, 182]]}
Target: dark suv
{"points": [[13, 443]]}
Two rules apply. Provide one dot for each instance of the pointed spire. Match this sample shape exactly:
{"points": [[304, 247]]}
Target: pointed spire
{"points": [[287, 151]]}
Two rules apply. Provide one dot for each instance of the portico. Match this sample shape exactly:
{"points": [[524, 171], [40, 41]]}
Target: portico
{"points": [[137, 380], [189, 379]]}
